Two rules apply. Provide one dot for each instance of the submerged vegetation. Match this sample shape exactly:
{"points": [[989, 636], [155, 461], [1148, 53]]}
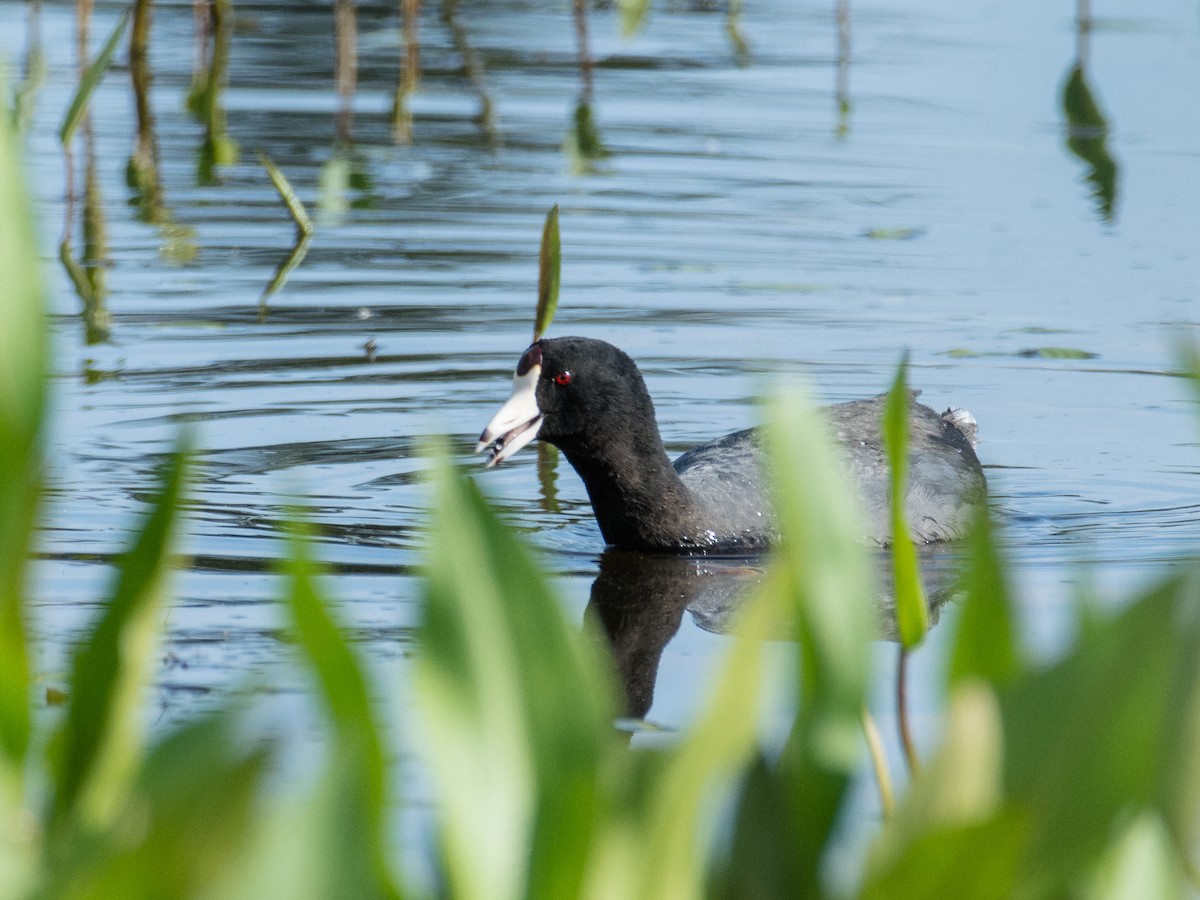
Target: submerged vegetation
{"points": [[1077, 777]]}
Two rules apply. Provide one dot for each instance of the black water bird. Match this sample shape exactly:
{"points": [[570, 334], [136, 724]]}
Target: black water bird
{"points": [[588, 398]]}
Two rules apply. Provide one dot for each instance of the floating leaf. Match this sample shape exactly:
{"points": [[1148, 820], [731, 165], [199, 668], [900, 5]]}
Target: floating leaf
{"points": [[91, 78], [1056, 353], [894, 234], [549, 269], [1038, 329]]}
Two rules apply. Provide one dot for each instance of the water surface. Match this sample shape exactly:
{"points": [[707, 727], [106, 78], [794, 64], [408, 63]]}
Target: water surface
{"points": [[743, 230]]}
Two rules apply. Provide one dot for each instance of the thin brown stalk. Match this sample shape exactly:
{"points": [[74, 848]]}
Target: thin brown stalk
{"points": [[345, 30], [906, 739], [579, 13]]}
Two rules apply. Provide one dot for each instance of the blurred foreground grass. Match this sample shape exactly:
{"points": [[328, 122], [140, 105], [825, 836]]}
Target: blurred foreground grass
{"points": [[1077, 779]]}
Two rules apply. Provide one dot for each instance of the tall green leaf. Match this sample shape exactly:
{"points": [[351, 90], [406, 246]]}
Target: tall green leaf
{"points": [[91, 78], [516, 709], [100, 745], [959, 792], [1113, 727], [678, 796], [22, 399], [1142, 862], [824, 576], [191, 810], [912, 613], [978, 861], [549, 273], [985, 644], [356, 843]]}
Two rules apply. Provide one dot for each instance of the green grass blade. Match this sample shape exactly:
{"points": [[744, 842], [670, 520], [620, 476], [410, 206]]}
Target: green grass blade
{"points": [[23, 369], [193, 808], [979, 861], [357, 844], [1113, 727], [985, 644], [912, 613], [824, 577], [298, 213], [673, 840], [100, 744], [91, 78], [549, 272], [515, 705]]}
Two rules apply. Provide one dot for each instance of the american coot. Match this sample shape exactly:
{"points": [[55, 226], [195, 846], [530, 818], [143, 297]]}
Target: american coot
{"points": [[588, 399]]}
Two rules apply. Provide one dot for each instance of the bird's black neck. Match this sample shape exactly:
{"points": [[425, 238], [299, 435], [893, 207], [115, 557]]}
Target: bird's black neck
{"points": [[639, 501]]}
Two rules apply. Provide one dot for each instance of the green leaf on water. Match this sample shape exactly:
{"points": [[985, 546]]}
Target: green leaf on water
{"points": [[1056, 353], [99, 746], [91, 78], [912, 612], [894, 234], [549, 271]]}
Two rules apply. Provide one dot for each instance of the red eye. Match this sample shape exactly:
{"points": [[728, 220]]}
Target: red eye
{"points": [[563, 378]]}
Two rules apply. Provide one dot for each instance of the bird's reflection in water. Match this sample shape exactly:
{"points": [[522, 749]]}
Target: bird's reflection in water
{"points": [[639, 600]]}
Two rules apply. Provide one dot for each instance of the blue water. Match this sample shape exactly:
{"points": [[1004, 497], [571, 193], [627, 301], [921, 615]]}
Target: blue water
{"points": [[742, 231]]}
